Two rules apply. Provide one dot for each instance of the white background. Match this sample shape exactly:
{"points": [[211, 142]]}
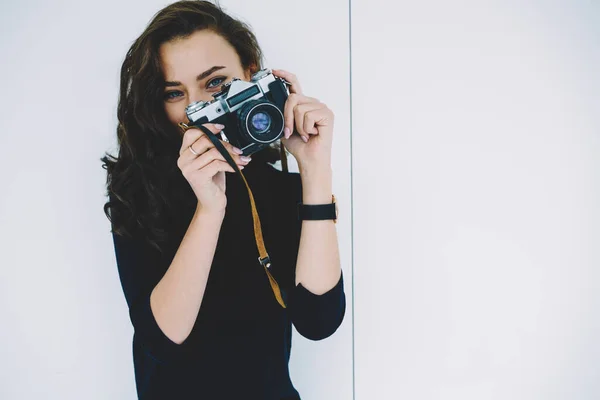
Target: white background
{"points": [[65, 330], [475, 143], [476, 138]]}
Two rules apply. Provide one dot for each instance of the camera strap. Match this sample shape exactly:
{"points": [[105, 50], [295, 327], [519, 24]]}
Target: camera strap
{"points": [[264, 259]]}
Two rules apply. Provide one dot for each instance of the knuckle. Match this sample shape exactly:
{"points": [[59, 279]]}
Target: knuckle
{"points": [[200, 143], [192, 132], [206, 168], [216, 154]]}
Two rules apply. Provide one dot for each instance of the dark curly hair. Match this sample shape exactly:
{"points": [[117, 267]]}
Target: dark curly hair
{"points": [[145, 187]]}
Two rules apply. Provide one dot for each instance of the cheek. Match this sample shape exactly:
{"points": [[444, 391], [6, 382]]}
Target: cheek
{"points": [[176, 112]]}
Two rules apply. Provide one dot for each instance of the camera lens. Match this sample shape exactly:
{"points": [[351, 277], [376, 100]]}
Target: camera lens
{"points": [[261, 122]]}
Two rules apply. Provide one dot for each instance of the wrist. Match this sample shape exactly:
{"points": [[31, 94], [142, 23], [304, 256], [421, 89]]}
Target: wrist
{"points": [[208, 214], [314, 167], [316, 185]]}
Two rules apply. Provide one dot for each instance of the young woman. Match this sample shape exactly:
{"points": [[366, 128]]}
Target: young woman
{"points": [[207, 324]]}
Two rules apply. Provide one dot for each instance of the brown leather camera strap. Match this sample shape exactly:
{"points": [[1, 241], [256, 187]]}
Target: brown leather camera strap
{"points": [[264, 259]]}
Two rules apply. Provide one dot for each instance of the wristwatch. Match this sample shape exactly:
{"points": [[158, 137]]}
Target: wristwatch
{"points": [[317, 212]]}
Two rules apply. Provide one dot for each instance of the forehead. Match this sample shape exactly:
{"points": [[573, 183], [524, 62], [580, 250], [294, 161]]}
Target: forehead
{"points": [[184, 59]]}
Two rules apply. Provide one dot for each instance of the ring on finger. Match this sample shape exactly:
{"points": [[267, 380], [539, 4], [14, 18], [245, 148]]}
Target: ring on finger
{"points": [[192, 149]]}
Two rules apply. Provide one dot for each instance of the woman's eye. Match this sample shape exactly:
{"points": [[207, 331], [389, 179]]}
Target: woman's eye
{"points": [[215, 82], [172, 94]]}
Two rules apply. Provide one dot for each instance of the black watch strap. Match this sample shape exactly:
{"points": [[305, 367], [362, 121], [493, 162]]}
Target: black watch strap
{"points": [[317, 212]]}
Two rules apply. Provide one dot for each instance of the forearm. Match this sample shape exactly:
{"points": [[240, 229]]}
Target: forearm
{"points": [[176, 299], [318, 265]]}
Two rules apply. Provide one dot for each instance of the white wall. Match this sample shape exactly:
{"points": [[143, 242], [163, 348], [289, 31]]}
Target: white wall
{"points": [[476, 138], [65, 331], [476, 182]]}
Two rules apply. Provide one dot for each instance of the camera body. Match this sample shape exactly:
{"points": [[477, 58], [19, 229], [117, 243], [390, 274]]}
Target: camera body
{"points": [[252, 112]]}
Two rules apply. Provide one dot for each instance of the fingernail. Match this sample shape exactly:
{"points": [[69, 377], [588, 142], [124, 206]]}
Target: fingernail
{"points": [[305, 139], [237, 151], [241, 167], [219, 126], [246, 158], [286, 132]]}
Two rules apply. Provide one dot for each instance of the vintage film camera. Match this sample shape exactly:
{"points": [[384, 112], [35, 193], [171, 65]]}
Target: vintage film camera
{"points": [[252, 112]]}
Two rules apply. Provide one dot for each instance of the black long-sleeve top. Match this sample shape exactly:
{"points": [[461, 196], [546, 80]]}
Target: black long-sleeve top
{"points": [[240, 344]]}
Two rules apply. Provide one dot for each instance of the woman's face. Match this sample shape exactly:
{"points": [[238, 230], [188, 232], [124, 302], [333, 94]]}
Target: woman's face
{"points": [[195, 68]]}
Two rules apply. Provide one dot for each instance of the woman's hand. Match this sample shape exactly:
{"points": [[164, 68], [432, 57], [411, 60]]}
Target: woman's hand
{"points": [[205, 172], [314, 123]]}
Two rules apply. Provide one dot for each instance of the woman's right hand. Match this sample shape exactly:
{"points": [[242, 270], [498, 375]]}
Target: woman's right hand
{"points": [[205, 172]]}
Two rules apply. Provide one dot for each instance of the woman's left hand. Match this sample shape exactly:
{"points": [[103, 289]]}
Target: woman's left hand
{"points": [[314, 123]]}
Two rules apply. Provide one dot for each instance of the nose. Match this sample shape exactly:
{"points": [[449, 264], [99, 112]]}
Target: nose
{"points": [[199, 96]]}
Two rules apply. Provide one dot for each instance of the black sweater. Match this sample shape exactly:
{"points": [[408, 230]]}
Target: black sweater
{"points": [[240, 344]]}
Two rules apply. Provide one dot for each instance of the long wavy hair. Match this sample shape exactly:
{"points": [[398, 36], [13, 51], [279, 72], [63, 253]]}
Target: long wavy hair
{"points": [[146, 189]]}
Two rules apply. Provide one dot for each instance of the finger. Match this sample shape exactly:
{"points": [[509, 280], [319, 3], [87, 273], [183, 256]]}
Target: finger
{"points": [[288, 114], [189, 137], [216, 166], [211, 155], [200, 146], [305, 117], [204, 144], [234, 151], [299, 112], [205, 159], [193, 134], [321, 117], [288, 111], [291, 78], [236, 154]]}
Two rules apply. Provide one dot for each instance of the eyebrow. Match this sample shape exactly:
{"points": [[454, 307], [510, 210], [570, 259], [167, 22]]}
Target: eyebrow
{"points": [[198, 78]]}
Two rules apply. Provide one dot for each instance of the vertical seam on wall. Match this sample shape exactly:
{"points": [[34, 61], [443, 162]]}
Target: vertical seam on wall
{"points": [[351, 194]]}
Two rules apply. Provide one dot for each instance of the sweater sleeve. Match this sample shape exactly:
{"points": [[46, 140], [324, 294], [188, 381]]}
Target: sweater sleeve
{"points": [[315, 317], [140, 270]]}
